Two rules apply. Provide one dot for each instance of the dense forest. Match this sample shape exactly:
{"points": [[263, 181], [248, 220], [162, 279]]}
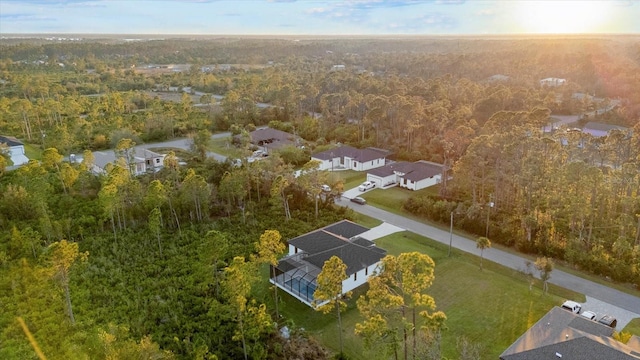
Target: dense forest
{"points": [[117, 266]]}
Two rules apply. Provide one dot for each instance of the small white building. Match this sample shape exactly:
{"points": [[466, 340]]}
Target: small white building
{"points": [[297, 272], [16, 150], [350, 158], [413, 176], [552, 82], [142, 161]]}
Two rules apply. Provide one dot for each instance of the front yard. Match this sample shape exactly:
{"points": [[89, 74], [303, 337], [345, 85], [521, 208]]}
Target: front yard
{"points": [[491, 308]]}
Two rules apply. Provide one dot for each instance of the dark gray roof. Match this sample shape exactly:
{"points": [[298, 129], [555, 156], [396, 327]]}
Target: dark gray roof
{"points": [[362, 242], [582, 348], [563, 332], [346, 229], [361, 155], [388, 170], [356, 257], [10, 141], [590, 327], [334, 235], [317, 241], [320, 245], [415, 171], [266, 136]]}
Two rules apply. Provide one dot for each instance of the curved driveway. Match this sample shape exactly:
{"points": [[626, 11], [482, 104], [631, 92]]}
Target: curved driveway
{"points": [[603, 293]]}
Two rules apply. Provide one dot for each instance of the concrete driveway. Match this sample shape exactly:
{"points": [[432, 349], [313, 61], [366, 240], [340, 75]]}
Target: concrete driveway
{"points": [[351, 193], [381, 230], [602, 308]]}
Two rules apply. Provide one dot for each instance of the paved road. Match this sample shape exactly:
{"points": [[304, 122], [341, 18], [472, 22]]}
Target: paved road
{"points": [[185, 144], [603, 293]]}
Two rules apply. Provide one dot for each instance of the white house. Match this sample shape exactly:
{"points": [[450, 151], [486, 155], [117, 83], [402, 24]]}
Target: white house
{"points": [[413, 176], [297, 272], [16, 150], [553, 82], [142, 161], [350, 158]]}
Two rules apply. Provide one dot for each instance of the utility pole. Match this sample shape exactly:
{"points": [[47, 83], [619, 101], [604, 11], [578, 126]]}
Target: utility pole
{"points": [[450, 234], [489, 207]]}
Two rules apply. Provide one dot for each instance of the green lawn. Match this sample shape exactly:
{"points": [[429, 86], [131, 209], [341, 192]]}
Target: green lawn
{"points": [[491, 307], [224, 147], [633, 327], [350, 178], [391, 200], [33, 152]]}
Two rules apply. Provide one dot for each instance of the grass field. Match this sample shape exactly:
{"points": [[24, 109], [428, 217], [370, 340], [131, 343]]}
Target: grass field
{"points": [[491, 308], [633, 327], [33, 152], [391, 200]]}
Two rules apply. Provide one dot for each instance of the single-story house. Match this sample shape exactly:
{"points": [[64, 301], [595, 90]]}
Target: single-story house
{"points": [[599, 129], [269, 139], [347, 157], [553, 82], [410, 175], [296, 273], [144, 161], [16, 150], [561, 334]]}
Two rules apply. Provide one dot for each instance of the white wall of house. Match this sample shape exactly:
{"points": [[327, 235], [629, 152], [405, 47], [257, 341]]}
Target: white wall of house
{"points": [[363, 166], [324, 164], [382, 181], [421, 184], [17, 155], [359, 278]]}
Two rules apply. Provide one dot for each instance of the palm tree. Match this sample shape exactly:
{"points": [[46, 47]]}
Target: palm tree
{"points": [[482, 243]]}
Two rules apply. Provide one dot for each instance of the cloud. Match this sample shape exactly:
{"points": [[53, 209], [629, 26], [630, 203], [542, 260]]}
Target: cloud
{"points": [[450, 2], [24, 17]]}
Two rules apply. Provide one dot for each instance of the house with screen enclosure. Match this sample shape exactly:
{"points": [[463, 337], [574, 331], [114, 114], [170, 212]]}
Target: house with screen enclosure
{"points": [[296, 273]]}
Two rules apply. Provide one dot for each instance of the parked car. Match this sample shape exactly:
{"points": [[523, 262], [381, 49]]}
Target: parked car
{"points": [[367, 185], [326, 188], [572, 306], [608, 320], [359, 200], [589, 315], [260, 153]]}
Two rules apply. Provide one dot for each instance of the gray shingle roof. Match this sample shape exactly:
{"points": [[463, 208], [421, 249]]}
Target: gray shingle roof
{"points": [[10, 141], [563, 332], [268, 136], [361, 155], [346, 229], [356, 257], [582, 348], [414, 171], [317, 241], [320, 245]]}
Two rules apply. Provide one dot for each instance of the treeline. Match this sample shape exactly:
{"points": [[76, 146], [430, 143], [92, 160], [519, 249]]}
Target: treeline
{"points": [[570, 196], [117, 266], [561, 194]]}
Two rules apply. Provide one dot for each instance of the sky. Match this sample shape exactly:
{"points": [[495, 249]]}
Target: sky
{"points": [[315, 17]]}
